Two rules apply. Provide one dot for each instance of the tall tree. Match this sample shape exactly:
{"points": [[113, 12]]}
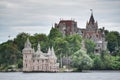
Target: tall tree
{"points": [[74, 43], [112, 42], [90, 46], [81, 60]]}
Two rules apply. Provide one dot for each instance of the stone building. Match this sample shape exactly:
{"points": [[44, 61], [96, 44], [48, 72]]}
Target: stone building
{"points": [[93, 33], [39, 61], [68, 27]]}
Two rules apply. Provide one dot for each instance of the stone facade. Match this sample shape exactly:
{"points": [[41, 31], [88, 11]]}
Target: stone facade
{"points": [[39, 61], [68, 27], [93, 33]]}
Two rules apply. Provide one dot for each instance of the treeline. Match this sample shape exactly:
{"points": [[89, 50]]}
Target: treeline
{"points": [[68, 50]]}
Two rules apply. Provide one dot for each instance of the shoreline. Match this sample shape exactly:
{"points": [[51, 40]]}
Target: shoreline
{"points": [[83, 71]]}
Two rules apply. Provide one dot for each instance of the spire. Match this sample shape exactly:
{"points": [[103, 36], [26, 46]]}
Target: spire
{"points": [[53, 53], [38, 47], [28, 44], [91, 20], [49, 51], [33, 50]]}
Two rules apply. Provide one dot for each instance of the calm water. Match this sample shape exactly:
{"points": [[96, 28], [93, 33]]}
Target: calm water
{"points": [[109, 75]]}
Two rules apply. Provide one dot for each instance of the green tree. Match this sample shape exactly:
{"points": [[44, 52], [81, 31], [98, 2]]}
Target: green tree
{"points": [[74, 43], [98, 64], [112, 42], [81, 60], [9, 53], [42, 39], [90, 46], [20, 40], [54, 33], [106, 59]]}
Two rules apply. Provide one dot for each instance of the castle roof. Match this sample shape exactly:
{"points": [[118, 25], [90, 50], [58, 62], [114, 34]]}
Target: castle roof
{"points": [[53, 53], [28, 44], [67, 22], [91, 20]]}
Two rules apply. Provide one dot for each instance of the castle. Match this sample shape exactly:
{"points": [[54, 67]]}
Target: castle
{"points": [[69, 27], [39, 61]]}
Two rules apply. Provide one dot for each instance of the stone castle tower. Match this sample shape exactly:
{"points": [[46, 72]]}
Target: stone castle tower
{"points": [[93, 33], [39, 61]]}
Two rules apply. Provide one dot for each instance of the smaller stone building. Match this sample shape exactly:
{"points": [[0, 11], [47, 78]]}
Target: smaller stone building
{"points": [[39, 61]]}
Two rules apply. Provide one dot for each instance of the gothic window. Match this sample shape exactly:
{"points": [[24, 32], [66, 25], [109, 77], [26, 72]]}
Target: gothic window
{"points": [[26, 56]]}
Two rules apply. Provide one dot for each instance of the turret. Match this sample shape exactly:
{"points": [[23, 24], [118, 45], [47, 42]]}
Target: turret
{"points": [[53, 53], [27, 47], [49, 52], [27, 56], [38, 47], [27, 44]]}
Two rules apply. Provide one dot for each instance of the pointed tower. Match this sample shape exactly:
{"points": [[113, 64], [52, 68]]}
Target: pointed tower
{"points": [[91, 20], [49, 52], [27, 44], [38, 52], [27, 56], [53, 53], [38, 48], [91, 26]]}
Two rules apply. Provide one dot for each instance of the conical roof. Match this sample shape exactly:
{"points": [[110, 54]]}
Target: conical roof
{"points": [[49, 51], [53, 53], [28, 44], [38, 49], [91, 20]]}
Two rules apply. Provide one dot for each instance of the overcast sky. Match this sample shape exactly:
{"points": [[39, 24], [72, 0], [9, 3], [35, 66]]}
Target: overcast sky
{"points": [[38, 16]]}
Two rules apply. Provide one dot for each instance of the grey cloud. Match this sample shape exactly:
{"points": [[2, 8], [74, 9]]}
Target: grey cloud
{"points": [[44, 13]]}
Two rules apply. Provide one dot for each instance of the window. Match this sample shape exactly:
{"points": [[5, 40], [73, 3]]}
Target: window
{"points": [[26, 65], [98, 45]]}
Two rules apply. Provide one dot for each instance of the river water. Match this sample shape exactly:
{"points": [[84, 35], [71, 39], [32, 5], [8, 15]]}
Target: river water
{"points": [[95, 75]]}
